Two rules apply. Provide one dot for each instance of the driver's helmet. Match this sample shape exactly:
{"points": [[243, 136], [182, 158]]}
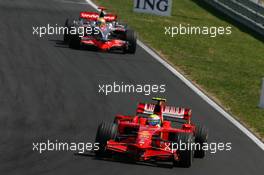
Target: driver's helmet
{"points": [[101, 22], [154, 120]]}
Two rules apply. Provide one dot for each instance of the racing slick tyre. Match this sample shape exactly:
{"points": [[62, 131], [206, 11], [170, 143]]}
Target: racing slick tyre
{"points": [[68, 25], [201, 136], [75, 42], [105, 132], [185, 153], [131, 38]]}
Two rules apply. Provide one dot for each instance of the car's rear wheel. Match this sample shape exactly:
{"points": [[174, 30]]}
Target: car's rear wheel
{"points": [[105, 132], [131, 38], [201, 136], [186, 152]]}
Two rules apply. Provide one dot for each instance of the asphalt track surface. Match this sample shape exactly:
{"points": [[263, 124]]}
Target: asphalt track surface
{"points": [[48, 91]]}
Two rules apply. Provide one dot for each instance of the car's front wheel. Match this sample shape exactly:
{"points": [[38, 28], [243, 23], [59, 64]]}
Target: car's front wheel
{"points": [[131, 38], [201, 136], [185, 151], [105, 132], [75, 41], [67, 27]]}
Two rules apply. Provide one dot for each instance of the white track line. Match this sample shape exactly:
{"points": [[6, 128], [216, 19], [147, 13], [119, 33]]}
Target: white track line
{"points": [[195, 89]]}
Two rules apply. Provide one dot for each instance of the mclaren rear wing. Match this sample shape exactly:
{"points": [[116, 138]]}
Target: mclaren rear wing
{"points": [[93, 16]]}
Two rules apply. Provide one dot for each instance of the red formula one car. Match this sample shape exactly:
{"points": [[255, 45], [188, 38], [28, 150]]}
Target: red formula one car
{"points": [[101, 31], [136, 138]]}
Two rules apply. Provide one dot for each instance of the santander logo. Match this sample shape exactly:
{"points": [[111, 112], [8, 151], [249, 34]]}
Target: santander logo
{"points": [[89, 15]]}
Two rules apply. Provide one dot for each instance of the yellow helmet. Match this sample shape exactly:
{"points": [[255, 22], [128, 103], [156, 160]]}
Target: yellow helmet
{"points": [[154, 120], [101, 22]]}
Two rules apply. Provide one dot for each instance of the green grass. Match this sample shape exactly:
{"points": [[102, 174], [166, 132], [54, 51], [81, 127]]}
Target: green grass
{"points": [[229, 68]]}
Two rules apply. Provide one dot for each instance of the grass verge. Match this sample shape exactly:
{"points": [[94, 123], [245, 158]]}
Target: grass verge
{"points": [[228, 67]]}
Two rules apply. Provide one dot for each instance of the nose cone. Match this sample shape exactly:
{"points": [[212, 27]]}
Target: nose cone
{"points": [[144, 139]]}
